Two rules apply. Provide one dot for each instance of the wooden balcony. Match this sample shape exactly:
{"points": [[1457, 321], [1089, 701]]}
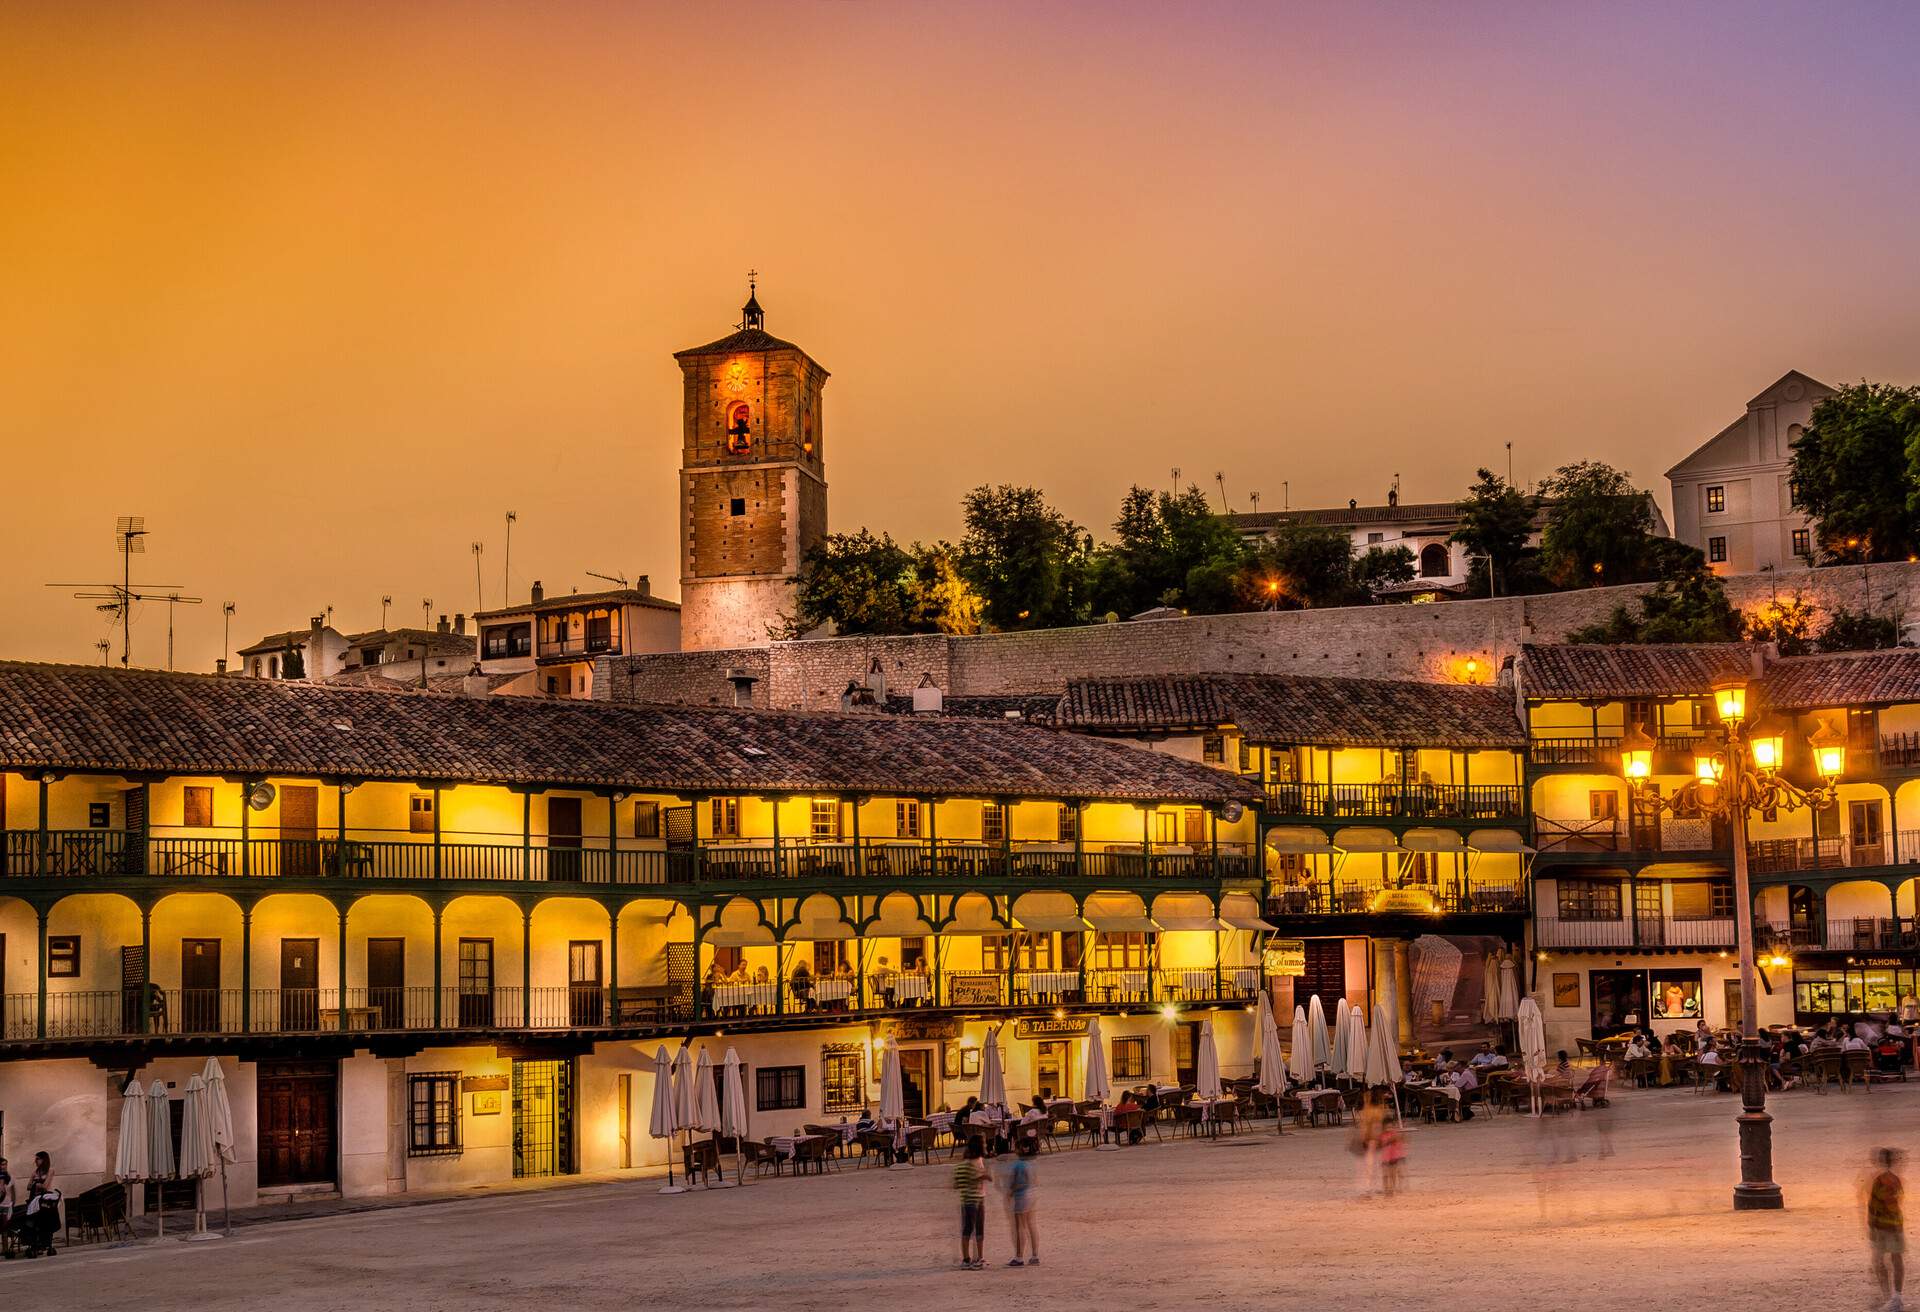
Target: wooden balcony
{"points": [[1772, 856], [1493, 803], [1377, 896]]}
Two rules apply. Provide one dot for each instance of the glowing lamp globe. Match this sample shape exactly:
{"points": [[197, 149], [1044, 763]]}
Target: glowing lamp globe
{"points": [[1636, 755], [1769, 741], [1829, 751], [1730, 699]]}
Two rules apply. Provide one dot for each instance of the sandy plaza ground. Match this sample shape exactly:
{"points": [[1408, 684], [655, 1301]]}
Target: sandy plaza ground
{"points": [[1623, 1208]]}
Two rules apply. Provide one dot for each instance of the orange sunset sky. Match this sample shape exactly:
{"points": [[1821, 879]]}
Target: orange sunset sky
{"points": [[325, 289]]}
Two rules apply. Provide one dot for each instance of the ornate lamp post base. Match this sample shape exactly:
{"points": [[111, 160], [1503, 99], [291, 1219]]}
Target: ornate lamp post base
{"points": [[1756, 1190]]}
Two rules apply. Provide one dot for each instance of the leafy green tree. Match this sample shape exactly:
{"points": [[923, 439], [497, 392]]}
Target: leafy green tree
{"points": [[1852, 630], [1599, 526], [1787, 622], [1496, 519], [1688, 608], [1301, 564], [1026, 560], [1376, 567], [855, 582], [1168, 550], [938, 597], [1856, 471]]}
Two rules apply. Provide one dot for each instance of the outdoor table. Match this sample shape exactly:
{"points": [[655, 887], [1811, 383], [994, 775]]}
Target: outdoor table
{"points": [[1246, 979], [1053, 983], [1194, 983], [910, 988], [1312, 1098], [832, 990], [746, 996], [1124, 984]]}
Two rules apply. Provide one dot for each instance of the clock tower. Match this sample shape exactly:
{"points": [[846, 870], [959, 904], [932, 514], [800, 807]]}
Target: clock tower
{"points": [[753, 489]]}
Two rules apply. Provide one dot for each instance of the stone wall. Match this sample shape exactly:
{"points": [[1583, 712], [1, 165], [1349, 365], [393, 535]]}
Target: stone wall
{"points": [[1380, 642]]}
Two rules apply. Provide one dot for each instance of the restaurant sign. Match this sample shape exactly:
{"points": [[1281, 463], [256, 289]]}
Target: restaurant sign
{"points": [[1411, 901], [1285, 956], [926, 1027], [1050, 1027], [484, 1084], [973, 991]]}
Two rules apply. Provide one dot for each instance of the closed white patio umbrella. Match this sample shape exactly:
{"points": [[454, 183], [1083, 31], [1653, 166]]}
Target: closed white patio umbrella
{"points": [[1509, 986], [993, 1077], [1317, 1032], [1490, 988], [132, 1161], [220, 1113], [1300, 1059], [706, 1098], [1383, 1054], [733, 1112], [1533, 1047], [665, 1121], [199, 1155], [686, 1096], [1206, 1073], [893, 1097], [1356, 1068], [1099, 1083], [1273, 1066], [1337, 1039], [159, 1143]]}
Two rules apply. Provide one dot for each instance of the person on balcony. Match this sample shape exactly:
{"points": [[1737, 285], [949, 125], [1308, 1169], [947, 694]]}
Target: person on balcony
{"points": [[803, 985], [883, 980]]}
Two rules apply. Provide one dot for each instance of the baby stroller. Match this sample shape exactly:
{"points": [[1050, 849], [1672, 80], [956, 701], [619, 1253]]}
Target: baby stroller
{"points": [[1593, 1090], [31, 1229]]}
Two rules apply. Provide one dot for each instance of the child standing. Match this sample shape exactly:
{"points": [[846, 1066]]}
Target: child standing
{"points": [[1393, 1158], [970, 1177], [1886, 1230], [1019, 1187]]}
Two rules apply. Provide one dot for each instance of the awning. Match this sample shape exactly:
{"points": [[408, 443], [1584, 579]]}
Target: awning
{"points": [[974, 913], [1050, 924], [1499, 840], [1184, 911], [1118, 913], [817, 930], [1239, 911], [899, 918], [723, 937], [1298, 838], [1367, 840], [1432, 840], [1176, 924]]}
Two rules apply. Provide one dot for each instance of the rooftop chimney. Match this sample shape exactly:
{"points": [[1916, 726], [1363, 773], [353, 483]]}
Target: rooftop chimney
{"points": [[316, 622], [474, 684], [442, 626], [857, 697], [220, 665], [742, 686], [877, 682], [459, 622], [539, 593], [643, 585], [927, 697]]}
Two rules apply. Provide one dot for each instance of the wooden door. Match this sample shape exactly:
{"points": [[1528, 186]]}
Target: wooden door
{"points": [[586, 1001], [199, 985], [299, 983], [387, 982], [296, 1123], [1325, 973], [1196, 828], [299, 831], [563, 838], [476, 982], [916, 1080], [1869, 839]]}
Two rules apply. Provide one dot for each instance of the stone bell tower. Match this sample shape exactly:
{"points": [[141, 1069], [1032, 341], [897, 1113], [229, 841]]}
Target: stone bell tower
{"points": [[753, 489]]}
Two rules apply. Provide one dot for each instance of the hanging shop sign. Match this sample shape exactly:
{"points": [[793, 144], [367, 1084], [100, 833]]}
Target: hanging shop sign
{"points": [[1049, 1027], [1285, 956]]}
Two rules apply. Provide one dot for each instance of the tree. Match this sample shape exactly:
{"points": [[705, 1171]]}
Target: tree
{"points": [[1026, 560], [1496, 519], [1690, 608], [1302, 564], [860, 583], [1786, 622], [1856, 471], [1376, 567], [1168, 550], [1852, 630], [938, 598], [1599, 526]]}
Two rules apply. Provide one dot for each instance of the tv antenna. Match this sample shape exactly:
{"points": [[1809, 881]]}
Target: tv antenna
{"points": [[385, 601], [618, 580], [226, 632], [130, 540], [1220, 477], [479, 588], [506, 575], [105, 648], [1176, 480], [1254, 497]]}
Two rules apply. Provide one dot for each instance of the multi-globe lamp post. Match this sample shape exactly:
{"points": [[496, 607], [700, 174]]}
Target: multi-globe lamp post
{"points": [[1736, 771]]}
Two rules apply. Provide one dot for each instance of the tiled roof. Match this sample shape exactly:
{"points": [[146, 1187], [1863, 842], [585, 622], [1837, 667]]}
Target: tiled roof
{"points": [[399, 676], [747, 339], [82, 717], [277, 642], [574, 600], [1861, 678], [436, 642], [1304, 710], [1594, 671]]}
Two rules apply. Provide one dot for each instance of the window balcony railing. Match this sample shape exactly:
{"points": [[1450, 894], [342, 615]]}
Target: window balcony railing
{"points": [[1771, 856], [1673, 752], [1845, 934], [109, 852], [1630, 932], [1397, 801], [1674, 834], [1359, 896]]}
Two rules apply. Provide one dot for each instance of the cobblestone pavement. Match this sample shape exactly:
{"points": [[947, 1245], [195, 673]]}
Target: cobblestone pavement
{"points": [[1625, 1208]]}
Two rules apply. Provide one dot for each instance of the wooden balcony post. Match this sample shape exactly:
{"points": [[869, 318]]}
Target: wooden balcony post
{"points": [[1213, 839], [246, 968], [613, 964], [859, 853], [699, 985], [526, 965], [779, 865], [438, 908], [613, 837], [341, 966], [1147, 810], [40, 1022], [1006, 836], [1079, 838], [146, 966], [933, 838], [40, 858], [246, 828]]}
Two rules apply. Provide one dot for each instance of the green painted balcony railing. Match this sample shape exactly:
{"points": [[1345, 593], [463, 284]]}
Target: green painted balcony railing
{"points": [[1497, 803]]}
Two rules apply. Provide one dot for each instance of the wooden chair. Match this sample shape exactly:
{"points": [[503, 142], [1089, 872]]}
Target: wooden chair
{"points": [[1824, 1068], [760, 1154], [812, 1153], [1854, 1069], [702, 1158], [99, 1213]]}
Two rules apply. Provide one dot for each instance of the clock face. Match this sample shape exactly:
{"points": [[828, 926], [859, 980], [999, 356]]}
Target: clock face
{"points": [[736, 377]]}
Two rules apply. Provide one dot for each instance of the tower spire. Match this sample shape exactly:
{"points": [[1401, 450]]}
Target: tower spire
{"points": [[751, 315]]}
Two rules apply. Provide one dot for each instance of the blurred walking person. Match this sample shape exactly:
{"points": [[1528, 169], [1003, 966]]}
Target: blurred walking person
{"points": [[1019, 1187], [1886, 1230], [1369, 1126], [970, 1178]]}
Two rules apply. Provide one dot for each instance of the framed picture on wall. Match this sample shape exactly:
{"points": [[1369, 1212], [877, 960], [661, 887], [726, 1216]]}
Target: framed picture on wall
{"points": [[1566, 990], [969, 1063], [950, 1060]]}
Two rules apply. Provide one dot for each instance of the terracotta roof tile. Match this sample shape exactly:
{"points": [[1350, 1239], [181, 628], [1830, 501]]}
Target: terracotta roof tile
{"points": [[1299, 709], [1861, 678], [1602, 671], [75, 717]]}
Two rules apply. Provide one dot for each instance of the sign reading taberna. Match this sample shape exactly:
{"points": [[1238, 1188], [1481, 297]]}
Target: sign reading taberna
{"points": [[1285, 956], [1050, 1027]]}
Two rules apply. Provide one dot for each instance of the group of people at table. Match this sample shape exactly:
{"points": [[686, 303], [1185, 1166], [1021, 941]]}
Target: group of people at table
{"points": [[741, 992], [1792, 1052]]}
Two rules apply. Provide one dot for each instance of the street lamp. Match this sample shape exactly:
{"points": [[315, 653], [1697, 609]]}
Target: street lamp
{"points": [[1735, 772]]}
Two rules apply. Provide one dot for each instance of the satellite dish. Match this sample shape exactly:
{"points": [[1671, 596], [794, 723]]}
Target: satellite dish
{"points": [[1232, 812], [261, 797]]}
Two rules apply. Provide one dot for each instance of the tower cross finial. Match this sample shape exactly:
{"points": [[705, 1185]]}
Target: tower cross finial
{"points": [[751, 315]]}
